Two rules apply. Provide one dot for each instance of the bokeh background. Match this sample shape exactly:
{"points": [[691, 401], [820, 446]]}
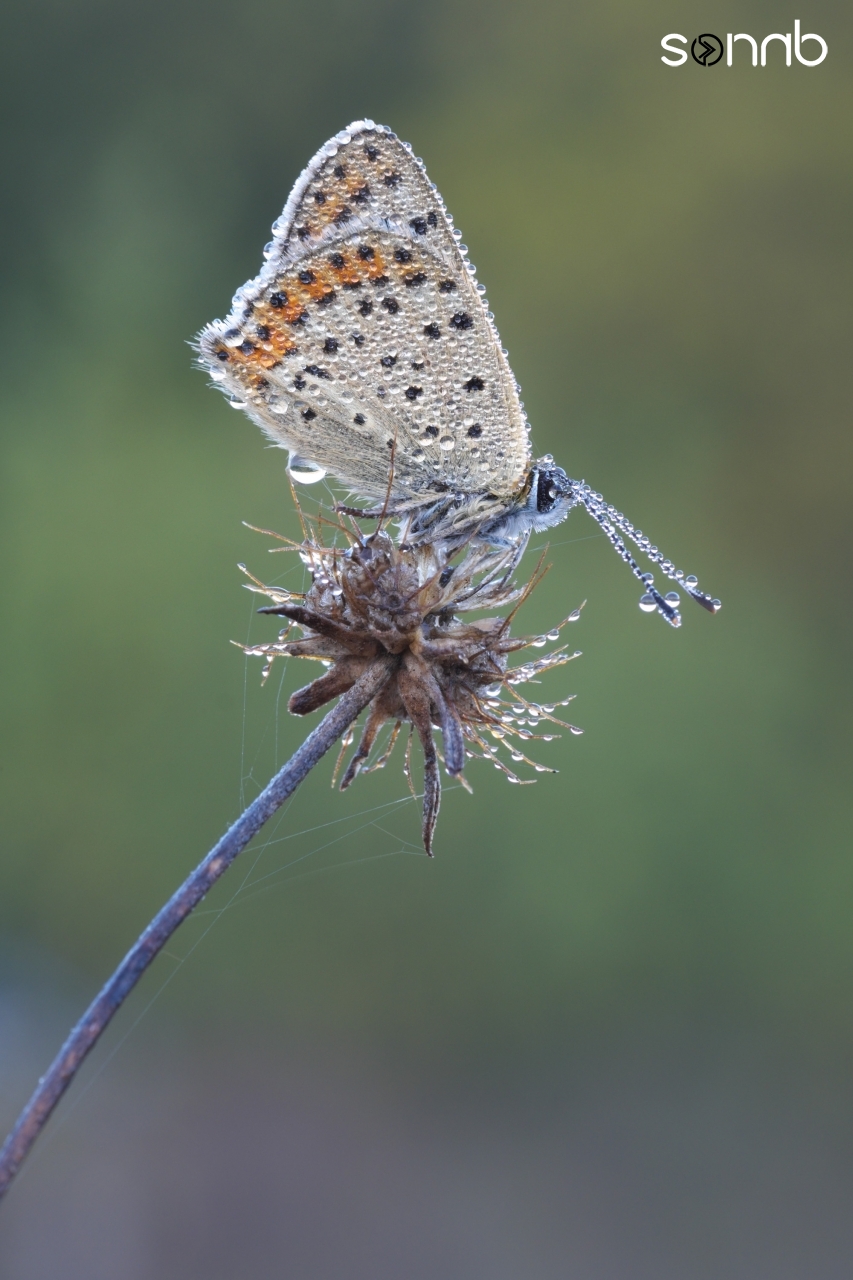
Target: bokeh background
{"points": [[607, 1031]]}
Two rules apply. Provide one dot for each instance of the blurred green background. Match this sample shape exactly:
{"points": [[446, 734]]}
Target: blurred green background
{"points": [[607, 1031]]}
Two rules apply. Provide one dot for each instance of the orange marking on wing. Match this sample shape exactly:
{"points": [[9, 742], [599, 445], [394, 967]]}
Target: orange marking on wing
{"points": [[347, 274], [330, 212], [377, 266]]}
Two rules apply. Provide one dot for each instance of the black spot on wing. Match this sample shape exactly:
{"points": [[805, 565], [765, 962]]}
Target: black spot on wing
{"points": [[474, 384], [432, 330], [461, 321]]}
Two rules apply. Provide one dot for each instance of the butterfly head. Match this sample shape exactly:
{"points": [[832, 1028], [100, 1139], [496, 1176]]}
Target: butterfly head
{"points": [[554, 494]]}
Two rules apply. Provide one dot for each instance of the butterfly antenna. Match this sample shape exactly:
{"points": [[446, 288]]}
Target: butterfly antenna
{"points": [[614, 525]]}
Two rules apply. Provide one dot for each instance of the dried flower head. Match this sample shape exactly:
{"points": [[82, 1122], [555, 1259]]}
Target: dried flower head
{"points": [[376, 600]]}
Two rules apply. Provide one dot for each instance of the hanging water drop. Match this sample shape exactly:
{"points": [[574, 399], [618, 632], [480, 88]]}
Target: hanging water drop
{"points": [[303, 471]]}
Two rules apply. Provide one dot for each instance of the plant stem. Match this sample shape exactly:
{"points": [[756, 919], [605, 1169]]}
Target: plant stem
{"points": [[97, 1017]]}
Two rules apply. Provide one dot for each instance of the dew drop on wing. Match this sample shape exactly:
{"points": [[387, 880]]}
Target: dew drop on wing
{"points": [[303, 471], [672, 598], [648, 604]]}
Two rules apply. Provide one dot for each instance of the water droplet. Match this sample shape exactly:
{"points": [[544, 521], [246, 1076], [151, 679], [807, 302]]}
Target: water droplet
{"points": [[575, 730], [647, 604], [447, 443], [539, 642], [553, 635], [236, 403], [691, 581], [673, 598], [303, 471]]}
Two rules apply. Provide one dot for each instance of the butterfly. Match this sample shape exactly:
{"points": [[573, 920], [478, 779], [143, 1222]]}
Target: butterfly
{"points": [[365, 347]]}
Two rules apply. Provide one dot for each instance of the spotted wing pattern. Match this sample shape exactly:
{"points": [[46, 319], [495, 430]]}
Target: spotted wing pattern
{"points": [[366, 326]]}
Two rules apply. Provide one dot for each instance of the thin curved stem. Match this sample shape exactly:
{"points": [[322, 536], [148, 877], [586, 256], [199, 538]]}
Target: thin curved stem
{"points": [[97, 1017]]}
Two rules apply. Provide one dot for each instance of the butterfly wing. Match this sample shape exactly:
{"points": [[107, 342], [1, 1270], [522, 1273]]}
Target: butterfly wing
{"points": [[366, 326]]}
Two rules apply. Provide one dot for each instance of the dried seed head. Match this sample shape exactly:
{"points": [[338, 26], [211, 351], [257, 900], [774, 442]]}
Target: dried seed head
{"points": [[377, 598]]}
